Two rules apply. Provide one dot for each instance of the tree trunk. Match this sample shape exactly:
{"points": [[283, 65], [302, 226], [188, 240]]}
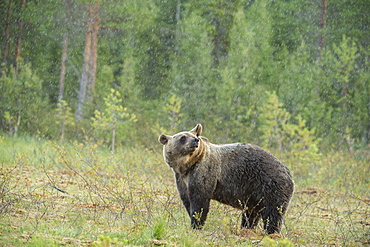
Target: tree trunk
{"points": [[94, 49], [62, 130], [7, 33], [113, 138], [85, 68], [177, 16], [178, 11], [322, 28], [16, 125], [63, 67], [19, 38], [64, 55]]}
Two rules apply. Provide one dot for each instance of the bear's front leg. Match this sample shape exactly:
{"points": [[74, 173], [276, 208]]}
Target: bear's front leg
{"points": [[199, 211], [183, 192], [199, 205]]}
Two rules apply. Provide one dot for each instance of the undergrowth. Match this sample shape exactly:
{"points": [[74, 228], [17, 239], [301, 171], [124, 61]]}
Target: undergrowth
{"points": [[83, 195]]}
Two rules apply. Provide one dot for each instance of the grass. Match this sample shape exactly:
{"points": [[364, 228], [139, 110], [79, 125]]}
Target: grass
{"points": [[82, 195]]}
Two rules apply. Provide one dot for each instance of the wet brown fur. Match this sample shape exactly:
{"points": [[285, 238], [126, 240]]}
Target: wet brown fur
{"points": [[241, 175]]}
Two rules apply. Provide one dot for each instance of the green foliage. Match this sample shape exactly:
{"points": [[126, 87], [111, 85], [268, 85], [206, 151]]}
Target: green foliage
{"points": [[12, 121], [274, 120], [239, 93], [218, 56], [159, 229], [21, 99], [128, 87], [352, 19], [76, 194], [359, 94], [346, 53], [277, 243], [192, 57], [110, 119], [291, 137], [249, 63], [289, 19], [137, 36], [173, 110], [105, 241], [65, 117], [340, 86], [173, 64]]}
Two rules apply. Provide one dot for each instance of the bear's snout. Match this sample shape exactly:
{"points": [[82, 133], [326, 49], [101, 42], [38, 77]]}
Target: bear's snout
{"points": [[194, 142]]}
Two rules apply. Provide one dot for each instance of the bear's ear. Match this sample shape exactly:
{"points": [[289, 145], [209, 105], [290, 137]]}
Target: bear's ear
{"points": [[163, 139], [197, 130]]}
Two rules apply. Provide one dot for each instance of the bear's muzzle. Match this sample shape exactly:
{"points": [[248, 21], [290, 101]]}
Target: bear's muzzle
{"points": [[195, 142]]}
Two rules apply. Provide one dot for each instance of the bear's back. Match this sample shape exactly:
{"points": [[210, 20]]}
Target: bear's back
{"points": [[248, 158], [246, 169]]}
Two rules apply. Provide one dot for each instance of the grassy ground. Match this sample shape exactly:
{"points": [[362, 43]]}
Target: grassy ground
{"points": [[81, 195]]}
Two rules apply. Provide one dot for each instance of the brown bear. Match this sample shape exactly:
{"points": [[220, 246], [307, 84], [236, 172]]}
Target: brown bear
{"points": [[241, 175]]}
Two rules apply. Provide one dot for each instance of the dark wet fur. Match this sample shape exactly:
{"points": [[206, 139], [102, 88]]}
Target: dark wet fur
{"points": [[241, 175]]}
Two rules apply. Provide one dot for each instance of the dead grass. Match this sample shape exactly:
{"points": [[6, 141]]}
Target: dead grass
{"points": [[79, 195]]}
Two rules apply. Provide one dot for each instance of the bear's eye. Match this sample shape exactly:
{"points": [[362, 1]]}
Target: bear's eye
{"points": [[183, 139]]}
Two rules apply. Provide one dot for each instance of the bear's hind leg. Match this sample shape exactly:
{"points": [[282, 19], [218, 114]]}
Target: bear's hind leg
{"points": [[272, 220], [250, 219]]}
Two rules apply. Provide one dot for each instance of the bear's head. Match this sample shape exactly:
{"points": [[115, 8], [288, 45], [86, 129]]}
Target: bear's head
{"points": [[182, 150]]}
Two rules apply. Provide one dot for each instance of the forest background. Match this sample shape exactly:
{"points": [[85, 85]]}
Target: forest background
{"points": [[291, 76], [172, 64], [81, 77]]}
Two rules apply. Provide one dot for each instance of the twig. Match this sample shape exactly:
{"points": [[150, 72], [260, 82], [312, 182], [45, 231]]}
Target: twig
{"points": [[53, 186]]}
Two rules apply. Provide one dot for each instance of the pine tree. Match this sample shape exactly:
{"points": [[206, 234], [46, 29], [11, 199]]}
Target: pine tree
{"points": [[191, 68]]}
